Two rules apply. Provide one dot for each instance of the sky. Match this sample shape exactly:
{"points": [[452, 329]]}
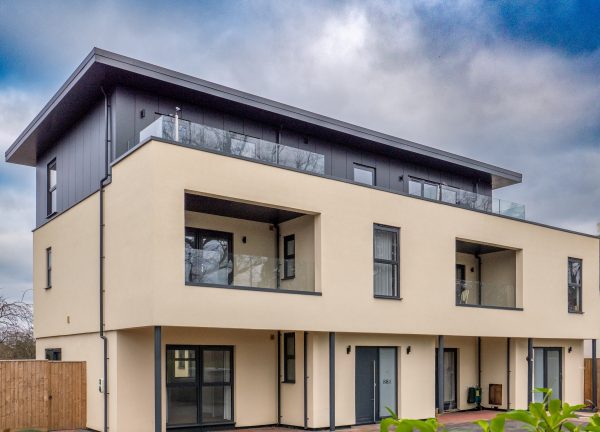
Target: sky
{"points": [[515, 84]]}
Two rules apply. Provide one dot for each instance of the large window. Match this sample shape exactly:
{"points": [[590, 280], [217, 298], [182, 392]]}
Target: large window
{"points": [[51, 188], [199, 385], [364, 174], [49, 268], [208, 257], [386, 256], [423, 188], [574, 284], [289, 357], [289, 256]]}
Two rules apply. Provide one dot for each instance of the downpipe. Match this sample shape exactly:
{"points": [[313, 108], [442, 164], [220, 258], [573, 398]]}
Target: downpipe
{"points": [[107, 143]]}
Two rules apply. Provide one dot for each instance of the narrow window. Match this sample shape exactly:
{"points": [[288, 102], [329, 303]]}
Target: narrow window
{"points": [[289, 357], [51, 183], [386, 261], [49, 267], [574, 285], [364, 174], [53, 354], [289, 257]]}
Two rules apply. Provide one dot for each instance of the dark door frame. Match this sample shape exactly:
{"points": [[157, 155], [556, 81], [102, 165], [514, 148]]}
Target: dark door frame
{"points": [[447, 407], [378, 417], [199, 383], [545, 363]]}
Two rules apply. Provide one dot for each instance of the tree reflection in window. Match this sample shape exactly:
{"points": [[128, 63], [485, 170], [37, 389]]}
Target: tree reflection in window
{"points": [[208, 257]]}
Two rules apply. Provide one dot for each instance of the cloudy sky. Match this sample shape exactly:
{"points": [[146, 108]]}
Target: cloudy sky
{"points": [[513, 84]]}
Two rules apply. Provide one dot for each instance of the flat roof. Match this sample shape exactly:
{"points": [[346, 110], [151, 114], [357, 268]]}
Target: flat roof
{"points": [[103, 68]]}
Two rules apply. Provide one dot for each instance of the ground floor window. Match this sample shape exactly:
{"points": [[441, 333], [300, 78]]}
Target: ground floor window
{"points": [[199, 385], [54, 354]]}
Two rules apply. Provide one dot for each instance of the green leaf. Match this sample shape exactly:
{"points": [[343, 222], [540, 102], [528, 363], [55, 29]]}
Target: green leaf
{"points": [[392, 413], [497, 424], [521, 416], [484, 425], [554, 406]]}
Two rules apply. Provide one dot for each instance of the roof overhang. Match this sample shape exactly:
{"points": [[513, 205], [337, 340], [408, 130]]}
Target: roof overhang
{"points": [[104, 69]]}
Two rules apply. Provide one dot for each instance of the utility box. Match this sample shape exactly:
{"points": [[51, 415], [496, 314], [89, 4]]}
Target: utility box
{"points": [[474, 395]]}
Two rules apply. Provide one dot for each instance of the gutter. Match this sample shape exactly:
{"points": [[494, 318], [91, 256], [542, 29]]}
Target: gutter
{"points": [[103, 182]]}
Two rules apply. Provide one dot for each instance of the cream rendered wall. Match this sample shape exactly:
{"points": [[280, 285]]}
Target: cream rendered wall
{"points": [[88, 347], [260, 242], [303, 230], [493, 369], [71, 305], [149, 185]]}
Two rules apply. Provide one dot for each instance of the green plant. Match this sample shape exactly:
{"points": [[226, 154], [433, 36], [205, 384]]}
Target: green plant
{"points": [[408, 425], [550, 415]]}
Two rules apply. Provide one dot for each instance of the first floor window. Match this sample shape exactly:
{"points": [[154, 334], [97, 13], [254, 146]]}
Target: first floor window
{"points": [[208, 256], [289, 357], [51, 188], [364, 174], [54, 354], [48, 267], [289, 256], [386, 261], [574, 284]]}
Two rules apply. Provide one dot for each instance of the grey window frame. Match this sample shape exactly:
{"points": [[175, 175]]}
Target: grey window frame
{"points": [[422, 183], [50, 189], [48, 267], [53, 354], [396, 262], [578, 287], [363, 167], [289, 256], [286, 370]]}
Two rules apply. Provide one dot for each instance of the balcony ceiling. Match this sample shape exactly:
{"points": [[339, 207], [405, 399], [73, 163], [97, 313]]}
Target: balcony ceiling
{"points": [[238, 210], [477, 248]]}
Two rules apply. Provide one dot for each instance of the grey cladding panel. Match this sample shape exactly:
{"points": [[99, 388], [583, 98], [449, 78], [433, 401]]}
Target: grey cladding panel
{"points": [[79, 157]]}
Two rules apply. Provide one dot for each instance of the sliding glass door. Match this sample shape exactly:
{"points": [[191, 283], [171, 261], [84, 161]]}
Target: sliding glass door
{"points": [[199, 385]]}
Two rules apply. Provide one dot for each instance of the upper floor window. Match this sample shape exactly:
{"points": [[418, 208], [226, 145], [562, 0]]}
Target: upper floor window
{"points": [[49, 268], [289, 256], [364, 174], [386, 261], [51, 184], [289, 357], [574, 284], [423, 188]]}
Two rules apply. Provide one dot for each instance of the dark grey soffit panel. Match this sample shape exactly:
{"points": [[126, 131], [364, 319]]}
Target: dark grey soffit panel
{"points": [[104, 68]]}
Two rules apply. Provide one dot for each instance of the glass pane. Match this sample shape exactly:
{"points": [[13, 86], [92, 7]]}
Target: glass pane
{"points": [[52, 176], [430, 191], [575, 272], [53, 201], [574, 298], [385, 279], [289, 344], [217, 366], [290, 246], [414, 187], [449, 195], [553, 372], [182, 405], [449, 377], [387, 381], [538, 373], [181, 366], [364, 175], [290, 370], [385, 245], [290, 268], [216, 404], [211, 262]]}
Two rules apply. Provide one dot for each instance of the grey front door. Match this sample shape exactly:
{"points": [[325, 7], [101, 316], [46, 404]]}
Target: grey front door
{"points": [[376, 383]]}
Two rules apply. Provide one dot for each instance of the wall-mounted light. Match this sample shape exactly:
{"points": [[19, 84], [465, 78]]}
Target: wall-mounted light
{"points": [[570, 349], [142, 113], [472, 269], [408, 350], [244, 239], [348, 349]]}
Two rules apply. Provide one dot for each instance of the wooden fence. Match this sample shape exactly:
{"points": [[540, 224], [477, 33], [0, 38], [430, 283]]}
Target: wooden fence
{"points": [[42, 394], [587, 379]]}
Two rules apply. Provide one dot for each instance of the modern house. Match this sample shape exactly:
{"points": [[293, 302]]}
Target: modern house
{"points": [[223, 260]]}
